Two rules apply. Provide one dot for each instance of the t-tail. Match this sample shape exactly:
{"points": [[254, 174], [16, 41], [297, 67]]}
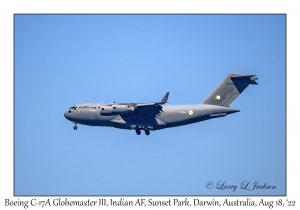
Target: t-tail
{"points": [[231, 87]]}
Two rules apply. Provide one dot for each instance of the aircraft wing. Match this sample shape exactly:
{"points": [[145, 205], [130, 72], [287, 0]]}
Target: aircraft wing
{"points": [[151, 109], [163, 101]]}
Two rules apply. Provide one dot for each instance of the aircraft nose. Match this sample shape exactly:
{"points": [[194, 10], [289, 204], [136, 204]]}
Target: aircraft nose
{"points": [[66, 114]]}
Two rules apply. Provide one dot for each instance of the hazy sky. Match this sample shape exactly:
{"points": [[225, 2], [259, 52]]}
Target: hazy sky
{"points": [[62, 60]]}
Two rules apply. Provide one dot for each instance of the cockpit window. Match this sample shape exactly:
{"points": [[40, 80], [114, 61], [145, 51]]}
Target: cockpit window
{"points": [[73, 107]]}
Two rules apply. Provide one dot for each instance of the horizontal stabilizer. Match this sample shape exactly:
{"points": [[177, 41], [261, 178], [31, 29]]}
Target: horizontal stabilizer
{"points": [[218, 115]]}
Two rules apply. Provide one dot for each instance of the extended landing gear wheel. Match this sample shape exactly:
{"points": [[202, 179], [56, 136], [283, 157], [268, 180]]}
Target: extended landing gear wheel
{"points": [[75, 127], [147, 132], [137, 130]]}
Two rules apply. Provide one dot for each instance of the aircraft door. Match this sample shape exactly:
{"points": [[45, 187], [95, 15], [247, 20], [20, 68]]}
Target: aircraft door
{"points": [[80, 115], [86, 117]]}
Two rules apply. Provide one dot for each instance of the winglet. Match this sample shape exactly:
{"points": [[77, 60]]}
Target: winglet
{"points": [[165, 98]]}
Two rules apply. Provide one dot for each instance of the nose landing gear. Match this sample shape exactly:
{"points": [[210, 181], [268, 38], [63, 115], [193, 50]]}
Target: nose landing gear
{"points": [[75, 127]]}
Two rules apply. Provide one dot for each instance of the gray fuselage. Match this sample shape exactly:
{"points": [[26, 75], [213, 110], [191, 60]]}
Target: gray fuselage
{"points": [[169, 116]]}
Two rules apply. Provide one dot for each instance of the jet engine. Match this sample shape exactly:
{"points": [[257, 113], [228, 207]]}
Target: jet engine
{"points": [[116, 110]]}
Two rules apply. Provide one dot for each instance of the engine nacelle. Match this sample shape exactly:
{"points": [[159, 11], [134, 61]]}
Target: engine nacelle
{"points": [[116, 110]]}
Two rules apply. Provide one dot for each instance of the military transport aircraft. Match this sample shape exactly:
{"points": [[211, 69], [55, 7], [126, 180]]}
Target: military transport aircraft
{"points": [[155, 115]]}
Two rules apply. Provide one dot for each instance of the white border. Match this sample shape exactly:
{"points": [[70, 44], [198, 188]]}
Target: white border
{"points": [[9, 8]]}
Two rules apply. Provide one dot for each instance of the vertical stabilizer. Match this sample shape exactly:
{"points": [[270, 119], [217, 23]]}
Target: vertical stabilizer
{"points": [[231, 87]]}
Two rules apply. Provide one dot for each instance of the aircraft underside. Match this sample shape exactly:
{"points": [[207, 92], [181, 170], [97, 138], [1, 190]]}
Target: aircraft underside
{"points": [[171, 116]]}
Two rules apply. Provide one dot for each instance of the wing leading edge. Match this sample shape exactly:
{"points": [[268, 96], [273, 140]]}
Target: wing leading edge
{"points": [[163, 101]]}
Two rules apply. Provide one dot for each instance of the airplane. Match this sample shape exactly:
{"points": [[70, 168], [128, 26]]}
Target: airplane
{"points": [[155, 115]]}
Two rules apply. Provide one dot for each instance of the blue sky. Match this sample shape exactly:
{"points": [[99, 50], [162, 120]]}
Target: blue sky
{"points": [[62, 60]]}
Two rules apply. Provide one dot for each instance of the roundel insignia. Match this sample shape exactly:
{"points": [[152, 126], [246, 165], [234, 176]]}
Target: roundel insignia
{"points": [[191, 112]]}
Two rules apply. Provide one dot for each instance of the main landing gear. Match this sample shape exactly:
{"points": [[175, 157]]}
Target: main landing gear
{"points": [[147, 132], [75, 127], [138, 130]]}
